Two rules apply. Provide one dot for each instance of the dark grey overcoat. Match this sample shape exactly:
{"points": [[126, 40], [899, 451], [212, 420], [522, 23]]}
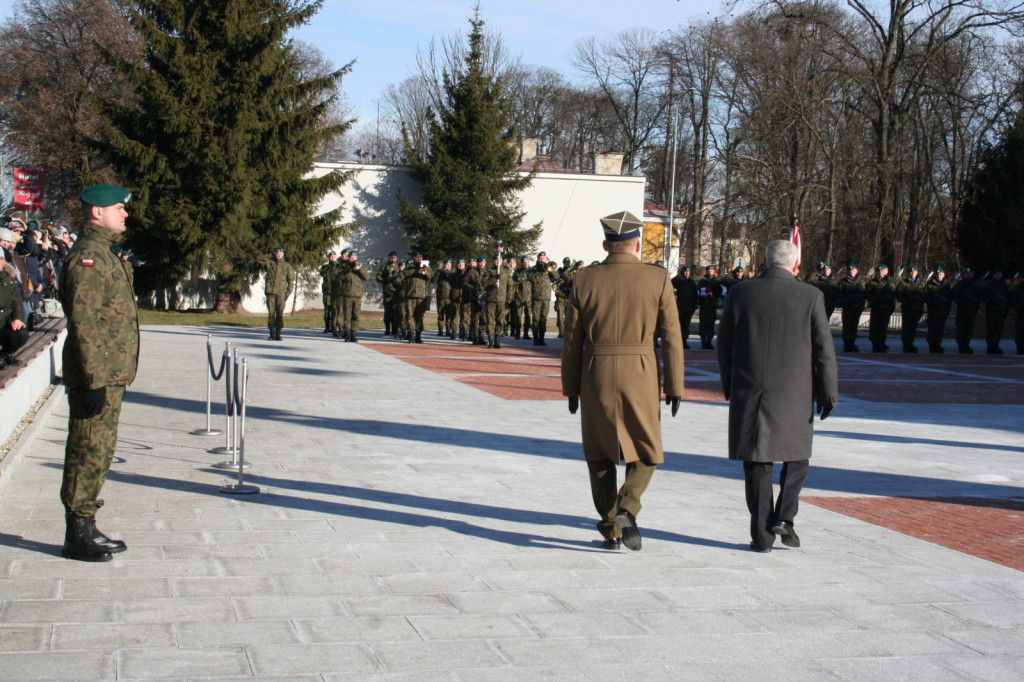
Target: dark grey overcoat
{"points": [[775, 358]]}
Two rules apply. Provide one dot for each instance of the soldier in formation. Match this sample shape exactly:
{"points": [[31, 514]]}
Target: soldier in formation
{"points": [[852, 299], [911, 294], [685, 287], [938, 301], [709, 293], [880, 292], [387, 276], [967, 296]]}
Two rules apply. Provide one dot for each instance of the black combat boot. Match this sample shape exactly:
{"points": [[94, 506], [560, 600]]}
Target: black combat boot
{"points": [[536, 338], [271, 337], [352, 336], [497, 342], [419, 338], [109, 544], [79, 543]]}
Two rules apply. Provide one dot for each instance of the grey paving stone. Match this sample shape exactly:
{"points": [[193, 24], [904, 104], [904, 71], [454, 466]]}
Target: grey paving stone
{"points": [[359, 629], [110, 637], [311, 658], [24, 637], [201, 635], [60, 665], [57, 611], [115, 588], [438, 655], [175, 663]]}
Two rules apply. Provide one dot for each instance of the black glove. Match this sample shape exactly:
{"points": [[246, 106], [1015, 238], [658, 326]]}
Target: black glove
{"points": [[825, 407], [93, 402], [574, 404], [673, 400]]}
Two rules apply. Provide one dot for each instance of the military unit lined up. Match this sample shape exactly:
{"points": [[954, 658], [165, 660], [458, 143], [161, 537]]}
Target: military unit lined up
{"points": [[477, 300], [933, 298]]}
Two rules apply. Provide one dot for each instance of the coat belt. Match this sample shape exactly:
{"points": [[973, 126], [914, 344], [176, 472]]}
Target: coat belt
{"points": [[620, 349]]}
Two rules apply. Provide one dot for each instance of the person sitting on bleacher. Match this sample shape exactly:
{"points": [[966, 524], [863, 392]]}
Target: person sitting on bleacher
{"points": [[13, 332]]}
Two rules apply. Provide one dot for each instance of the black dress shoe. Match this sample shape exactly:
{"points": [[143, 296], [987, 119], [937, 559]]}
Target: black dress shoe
{"points": [[630, 533], [786, 534], [612, 543], [758, 548]]}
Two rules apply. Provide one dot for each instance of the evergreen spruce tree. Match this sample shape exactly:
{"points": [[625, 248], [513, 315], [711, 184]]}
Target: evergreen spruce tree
{"points": [[991, 229], [470, 186], [220, 141]]}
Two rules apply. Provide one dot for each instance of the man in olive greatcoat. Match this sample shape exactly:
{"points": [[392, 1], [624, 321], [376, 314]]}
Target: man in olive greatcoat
{"points": [[910, 292], [776, 360], [279, 280], [101, 356], [685, 287], [938, 301], [610, 368]]}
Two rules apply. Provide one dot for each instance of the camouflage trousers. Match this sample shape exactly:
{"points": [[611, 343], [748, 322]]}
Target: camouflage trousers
{"points": [[89, 451], [494, 318], [414, 310], [329, 311], [275, 311], [539, 315], [349, 318]]}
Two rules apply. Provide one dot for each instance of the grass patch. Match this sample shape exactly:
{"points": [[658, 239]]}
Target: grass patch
{"points": [[302, 319]]}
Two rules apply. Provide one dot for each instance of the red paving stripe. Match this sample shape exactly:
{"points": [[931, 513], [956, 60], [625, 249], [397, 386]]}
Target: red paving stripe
{"points": [[988, 528], [892, 377]]}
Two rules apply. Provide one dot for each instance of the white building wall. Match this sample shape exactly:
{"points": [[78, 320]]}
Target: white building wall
{"points": [[569, 206]]}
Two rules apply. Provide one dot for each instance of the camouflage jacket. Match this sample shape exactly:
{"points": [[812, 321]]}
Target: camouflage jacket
{"points": [[102, 346], [417, 282], [497, 285], [279, 278], [390, 278], [10, 299], [541, 280], [352, 281]]}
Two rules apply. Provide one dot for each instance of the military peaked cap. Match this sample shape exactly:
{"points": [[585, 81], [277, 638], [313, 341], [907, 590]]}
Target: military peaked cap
{"points": [[105, 195]]}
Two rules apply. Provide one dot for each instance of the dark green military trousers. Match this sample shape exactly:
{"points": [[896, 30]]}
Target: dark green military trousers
{"points": [[608, 500], [275, 312], [89, 451], [349, 317], [539, 309]]}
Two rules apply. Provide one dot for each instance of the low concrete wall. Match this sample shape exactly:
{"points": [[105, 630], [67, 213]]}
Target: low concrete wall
{"points": [[23, 389]]}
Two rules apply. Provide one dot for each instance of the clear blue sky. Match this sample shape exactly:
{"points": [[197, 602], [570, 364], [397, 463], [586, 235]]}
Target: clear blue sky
{"points": [[384, 35]]}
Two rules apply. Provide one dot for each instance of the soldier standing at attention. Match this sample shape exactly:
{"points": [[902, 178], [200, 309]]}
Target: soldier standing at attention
{"points": [[709, 290], [610, 367], [101, 356], [459, 303], [472, 287], [325, 290], [881, 296], [523, 299], [541, 279], [968, 303], [938, 299], [497, 282], [562, 293], [278, 280], [686, 300], [442, 292], [910, 292], [387, 276], [996, 295], [337, 275], [352, 296], [851, 296]]}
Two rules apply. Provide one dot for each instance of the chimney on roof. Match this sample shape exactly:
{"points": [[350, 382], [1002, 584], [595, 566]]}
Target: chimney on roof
{"points": [[528, 149], [608, 163]]}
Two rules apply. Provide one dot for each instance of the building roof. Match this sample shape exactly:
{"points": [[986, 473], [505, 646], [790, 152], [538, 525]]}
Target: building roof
{"points": [[541, 165]]}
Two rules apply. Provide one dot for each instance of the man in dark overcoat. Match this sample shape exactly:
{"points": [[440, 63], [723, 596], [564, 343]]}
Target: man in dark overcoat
{"points": [[776, 360], [616, 309]]}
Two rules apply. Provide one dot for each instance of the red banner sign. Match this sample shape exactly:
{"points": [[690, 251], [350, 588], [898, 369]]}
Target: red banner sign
{"points": [[28, 189]]}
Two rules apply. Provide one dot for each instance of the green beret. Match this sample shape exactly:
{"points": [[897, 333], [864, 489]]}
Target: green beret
{"points": [[939, 269], [461, 260], [279, 248], [595, 262], [105, 195], [914, 267], [393, 253], [882, 265], [417, 253], [853, 266], [542, 253], [567, 260], [686, 268]]}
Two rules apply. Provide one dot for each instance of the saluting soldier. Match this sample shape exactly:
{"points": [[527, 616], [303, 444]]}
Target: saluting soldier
{"points": [[497, 282], [826, 284], [996, 295], [279, 280], [542, 278], [851, 296], [686, 300], [881, 296], [938, 301], [325, 290], [101, 355], [460, 302], [388, 277], [967, 296], [910, 292], [417, 285], [352, 296]]}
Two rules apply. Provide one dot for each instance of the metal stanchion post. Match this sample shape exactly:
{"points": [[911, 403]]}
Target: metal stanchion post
{"points": [[229, 431], [209, 388], [241, 488], [233, 397]]}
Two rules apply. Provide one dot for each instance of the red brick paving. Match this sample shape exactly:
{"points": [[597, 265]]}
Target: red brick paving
{"points": [[988, 528]]}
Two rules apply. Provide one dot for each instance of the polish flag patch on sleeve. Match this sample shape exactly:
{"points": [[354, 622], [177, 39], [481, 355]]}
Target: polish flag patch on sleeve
{"points": [[88, 262]]}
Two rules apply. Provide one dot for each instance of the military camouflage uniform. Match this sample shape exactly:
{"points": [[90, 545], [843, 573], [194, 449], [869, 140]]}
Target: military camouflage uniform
{"points": [[472, 287], [497, 287], [101, 351], [388, 278], [519, 308], [279, 280], [351, 299], [541, 281], [417, 285]]}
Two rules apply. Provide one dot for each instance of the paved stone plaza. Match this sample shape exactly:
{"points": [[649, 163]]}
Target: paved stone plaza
{"points": [[430, 519]]}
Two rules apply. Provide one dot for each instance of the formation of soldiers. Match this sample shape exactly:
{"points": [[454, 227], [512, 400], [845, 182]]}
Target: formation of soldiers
{"points": [[932, 297], [478, 300]]}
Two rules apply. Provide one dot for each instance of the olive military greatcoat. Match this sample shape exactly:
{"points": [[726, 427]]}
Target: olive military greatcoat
{"points": [[775, 358], [615, 311]]}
